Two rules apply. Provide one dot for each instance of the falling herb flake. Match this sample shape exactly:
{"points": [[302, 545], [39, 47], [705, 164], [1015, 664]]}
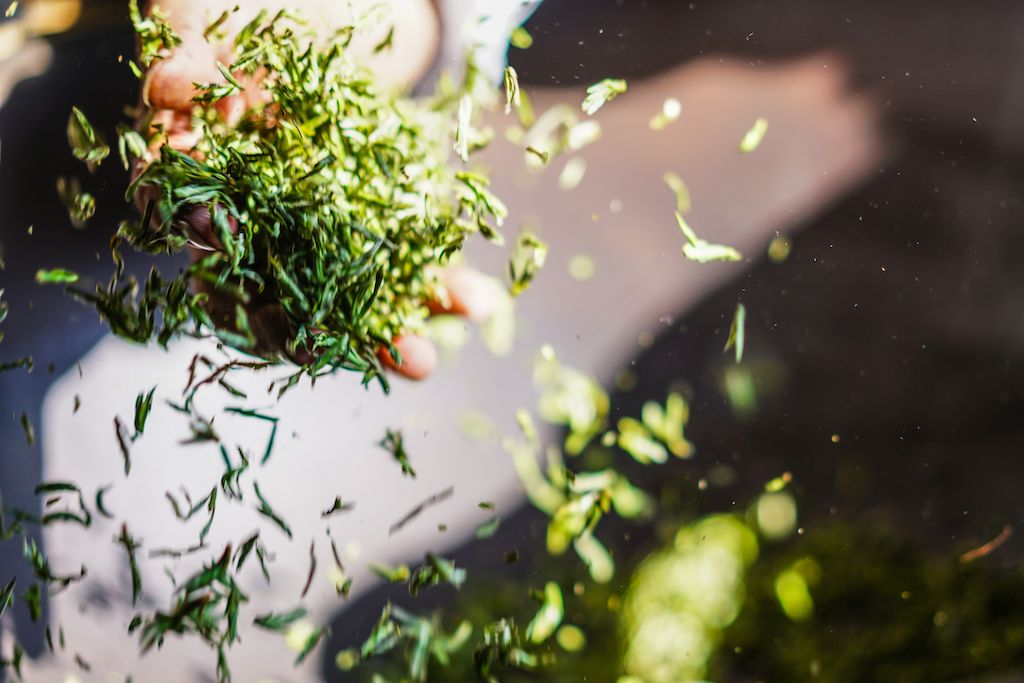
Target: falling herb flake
{"points": [[462, 127], [143, 405], [488, 528], [527, 259], [274, 421], [86, 143], [312, 568], [671, 108], [601, 93], [280, 622], [521, 38], [572, 173], [387, 43], [156, 37], [394, 443], [213, 30], [7, 596], [100, 506], [131, 545], [753, 137], [418, 509], [702, 251], [548, 617], [81, 205], [399, 574], [337, 506], [779, 248], [436, 570], [779, 483], [737, 332], [676, 184], [512, 93], [24, 362], [268, 512], [26, 426], [11, 9], [121, 432], [55, 276]]}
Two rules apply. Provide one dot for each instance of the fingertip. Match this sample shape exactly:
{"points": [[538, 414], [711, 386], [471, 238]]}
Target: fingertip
{"points": [[470, 293], [169, 83], [418, 354]]}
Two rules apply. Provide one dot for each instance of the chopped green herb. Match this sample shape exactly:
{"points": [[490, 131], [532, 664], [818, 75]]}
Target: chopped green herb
{"points": [[736, 332], [7, 596], [280, 622], [753, 137], [55, 276], [130, 545], [312, 568], [394, 443], [399, 574], [340, 211], [548, 617], [86, 143], [488, 528], [100, 507], [268, 512], [433, 571], [415, 512], [156, 37], [701, 251], [11, 9], [26, 426], [676, 184], [512, 93], [521, 38], [337, 506], [143, 405], [387, 43], [601, 93], [81, 205], [121, 432], [527, 259]]}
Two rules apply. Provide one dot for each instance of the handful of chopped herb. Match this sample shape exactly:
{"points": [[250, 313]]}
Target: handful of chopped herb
{"points": [[331, 207]]}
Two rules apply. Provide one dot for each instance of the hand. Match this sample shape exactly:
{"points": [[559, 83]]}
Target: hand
{"points": [[168, 89]]}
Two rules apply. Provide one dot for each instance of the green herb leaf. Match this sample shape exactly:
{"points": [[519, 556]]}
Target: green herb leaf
{"points": [[548, 617], [55, 276], [130, 545], [601, 93], [86, 143], [394, 443], [701, 251], [143, 405], [512, 95], [520, 38], [81, 205], [279, 622], [736, 332], [268, 512], [753, 137]]}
